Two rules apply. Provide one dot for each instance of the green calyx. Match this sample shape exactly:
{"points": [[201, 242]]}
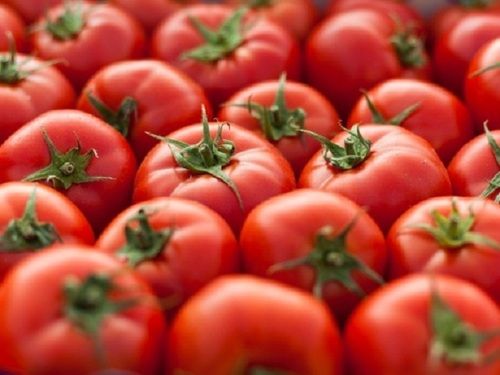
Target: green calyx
{"points": [[331, 262], [254, 4], [143, 242], [408, 47], [485, 69], [12, 72], [494, 183], [120, 119], [475, 4], [398, 119], [27, 233], [277, 121], [69, 24], [65, 169], [220, 43]]}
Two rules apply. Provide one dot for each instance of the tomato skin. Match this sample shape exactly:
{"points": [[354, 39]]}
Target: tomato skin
{"points": [[167, 99], [436, 106], [98, 200], [267, 51], [201, 248], [239, 321], [109, 35], [321, 116], [283, 228], [11, 22], [413, 250], [401, 170], [42, 341], [30, 10], [377, 334]]}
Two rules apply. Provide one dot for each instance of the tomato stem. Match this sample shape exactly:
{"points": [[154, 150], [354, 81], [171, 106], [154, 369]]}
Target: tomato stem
{"points": [[408, 47], [494, 183], [260, 3]]}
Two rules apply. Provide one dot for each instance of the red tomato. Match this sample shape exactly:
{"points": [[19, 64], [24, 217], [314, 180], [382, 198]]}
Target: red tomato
{"points": [[383, 168], [11, 22], [278, 110], [246, 50], [247, 325], [422, 325], [73, 310], [438, 115], [457, 236], [30, 10], [78, 154], [176, 245], [144, 96], [356, 50], [229, 171], [97, 35], [317, 241], [34, 217]]}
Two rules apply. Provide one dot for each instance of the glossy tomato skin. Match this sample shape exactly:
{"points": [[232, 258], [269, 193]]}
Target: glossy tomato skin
{"points": [[321, 116], [283, 228], [201, 247], [26, 152], [109, 34], [237, 322], [401, 170], [412, 249], [267, 50], [37, 338], [377, 336], [30, 10], [441, 117], [11, 22]]}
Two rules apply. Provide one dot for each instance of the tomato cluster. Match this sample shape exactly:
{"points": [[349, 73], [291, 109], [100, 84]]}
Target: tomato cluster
{"points": [[249, 187]]}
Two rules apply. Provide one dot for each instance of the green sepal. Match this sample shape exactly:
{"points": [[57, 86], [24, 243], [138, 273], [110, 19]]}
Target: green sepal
{"points": [[485, 69], [398, 119], [120, 119], [254, 4], [69, 24], [475, 4], [409, 47], [494, 183]]}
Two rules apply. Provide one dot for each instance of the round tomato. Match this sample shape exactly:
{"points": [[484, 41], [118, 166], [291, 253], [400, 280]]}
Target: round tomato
{"points": [[73, 310], [247, 325], [11, 23], [30, 10]]}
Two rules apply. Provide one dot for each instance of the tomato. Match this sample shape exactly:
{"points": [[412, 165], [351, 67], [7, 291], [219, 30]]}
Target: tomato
{"points": [[382, 168], [78, 154], [424, 324], [225, 50], [453, 235], [95, 36], [431, 105], [11, 22], [247, 325], [229, 171], [73, 310], [34, 217], [356, 50], [143, 96], [176, 245], [278, 110], [317, 241], [30, 10]]}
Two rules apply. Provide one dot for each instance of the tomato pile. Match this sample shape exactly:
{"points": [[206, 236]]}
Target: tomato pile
{"points": [[249, 187]]}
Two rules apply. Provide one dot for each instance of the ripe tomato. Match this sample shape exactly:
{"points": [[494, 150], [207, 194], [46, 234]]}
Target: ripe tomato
{"points": [[457, 236], [78, 154], [11, 22], [177, 246], [225, 50], [73, 310], [317, 241], [30, 10], [383, 168], [422, 325], [247, 325], [437, 116], [278, 110], [86, 37]]}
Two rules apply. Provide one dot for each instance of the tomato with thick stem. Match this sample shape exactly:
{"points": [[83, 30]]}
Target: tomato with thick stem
{"points": [[321, 242], [424, 324], [73, 310], [11, 26], [248, 325], [79, 155]]}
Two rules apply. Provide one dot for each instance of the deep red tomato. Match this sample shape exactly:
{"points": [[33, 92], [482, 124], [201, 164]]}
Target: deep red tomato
{"points": [[422, 325], [248, 325], [278, 110], [87, 37], [437, 114], [230, 171], [383, 168], [34, 217], [73, 310], [78, 154], [11, 23], [30, 10], [356, 50], [318, 241], [225, 50], [452, 235], [176, 245]]}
